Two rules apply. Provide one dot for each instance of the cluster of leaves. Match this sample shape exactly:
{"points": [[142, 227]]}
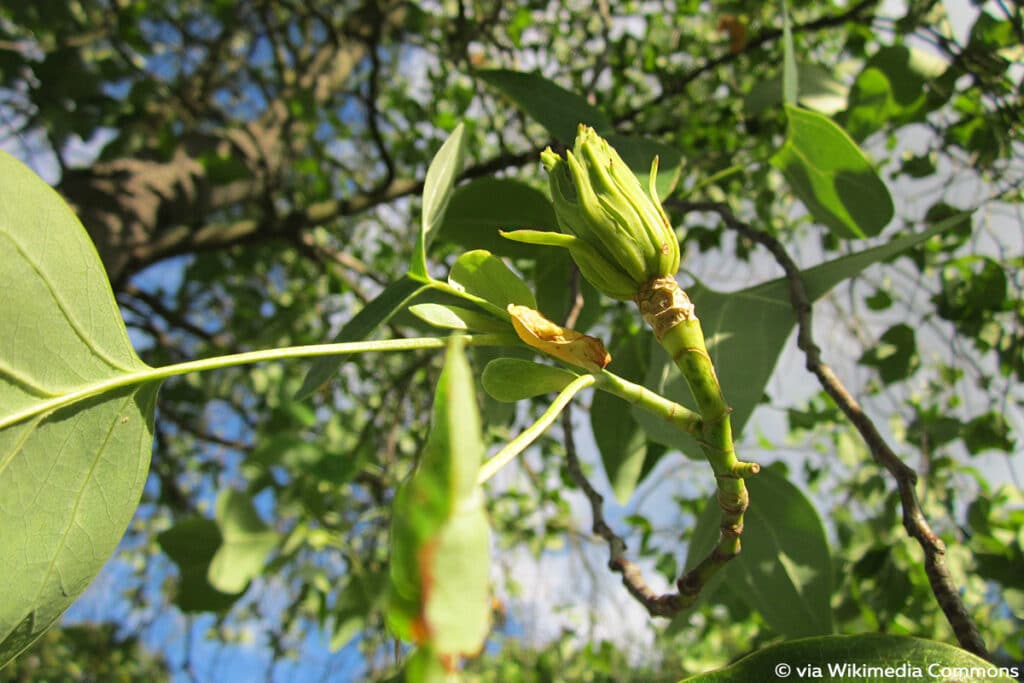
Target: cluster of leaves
{"points": [[280, 157]]}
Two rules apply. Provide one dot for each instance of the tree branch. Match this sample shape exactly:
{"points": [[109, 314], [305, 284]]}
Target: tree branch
{"points": [[943, 587]]}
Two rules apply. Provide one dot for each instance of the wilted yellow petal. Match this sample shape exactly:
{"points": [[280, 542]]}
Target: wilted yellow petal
{"points": [[562, 343]]}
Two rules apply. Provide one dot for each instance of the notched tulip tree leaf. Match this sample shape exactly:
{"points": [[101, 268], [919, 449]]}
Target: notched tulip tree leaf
{"points": [[76, 410]]}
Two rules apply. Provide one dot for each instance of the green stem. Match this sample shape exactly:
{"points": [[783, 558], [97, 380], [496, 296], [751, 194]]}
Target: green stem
{"points": [[310, 351], [669, 312], [531, 433], [677, 415]]}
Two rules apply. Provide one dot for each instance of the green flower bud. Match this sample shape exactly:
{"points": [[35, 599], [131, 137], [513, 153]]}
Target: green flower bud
{"points": [[599, 201]]}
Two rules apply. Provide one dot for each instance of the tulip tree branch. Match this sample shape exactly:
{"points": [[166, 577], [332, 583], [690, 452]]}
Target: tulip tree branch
{"points": [[690, 585], [943, 586], [672, 317], [632, 577]]}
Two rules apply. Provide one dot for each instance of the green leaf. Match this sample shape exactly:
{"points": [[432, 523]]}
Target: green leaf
{"points": [[437, 191], [895, 355], [745, 334], [440, 564], [482, 207], [988, 431], [191, 544], [832, 177], [819, 659], [784, 570], [551, 105], [394, 297], [75, 442], [620, 440], [483, 274], [638, 152], [514, 379], [458, 318], [891, 90], [247, 541]]}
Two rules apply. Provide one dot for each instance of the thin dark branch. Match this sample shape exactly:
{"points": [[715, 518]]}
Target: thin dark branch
{"points": [[177, 318], [632, 577], [946, 592]]}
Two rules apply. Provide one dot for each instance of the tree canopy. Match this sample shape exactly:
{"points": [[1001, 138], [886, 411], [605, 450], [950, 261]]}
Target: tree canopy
{"points": [[276, 174]]}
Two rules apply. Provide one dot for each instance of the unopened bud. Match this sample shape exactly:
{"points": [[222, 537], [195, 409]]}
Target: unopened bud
{"points": [[599, 201]]}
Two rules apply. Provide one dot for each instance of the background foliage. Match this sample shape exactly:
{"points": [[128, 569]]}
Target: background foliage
{"points": [[250, 175]]}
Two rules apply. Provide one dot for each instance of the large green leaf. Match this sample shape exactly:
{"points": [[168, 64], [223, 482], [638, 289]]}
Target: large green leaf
{"points": [[784, 570], [482, 207], [73, 456], [437, 191], [745, 333], [438, 594], [394, 297], [858, 659], [551, 105], [832, 177]]}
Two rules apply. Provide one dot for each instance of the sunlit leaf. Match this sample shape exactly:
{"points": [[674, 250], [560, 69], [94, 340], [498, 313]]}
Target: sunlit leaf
{"points": [[438, 595], [483, 274], [71, 471], [437, 191], [514, 379], [832, 177]]}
